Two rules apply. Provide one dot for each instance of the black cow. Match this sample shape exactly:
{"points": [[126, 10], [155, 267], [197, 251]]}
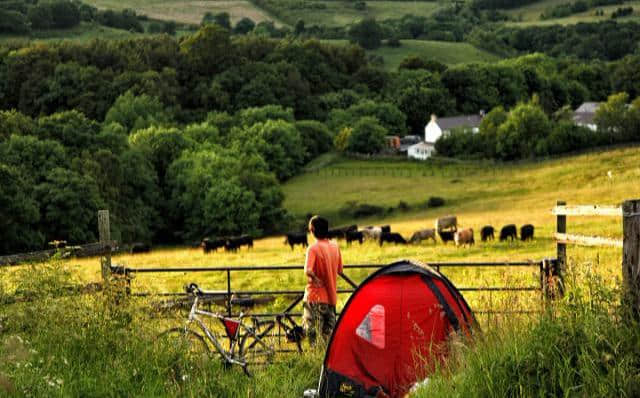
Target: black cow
{"points": [[385, 228], [353, 236], [296, 239], [140, 248], [235, 243], [392, 237], [508, 231], [526, 232], [486, 233], [341, 233], [212, 244], [447, 236]]}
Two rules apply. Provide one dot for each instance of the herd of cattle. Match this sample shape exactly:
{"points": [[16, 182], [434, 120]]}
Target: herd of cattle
{"points": [[446, 229]]}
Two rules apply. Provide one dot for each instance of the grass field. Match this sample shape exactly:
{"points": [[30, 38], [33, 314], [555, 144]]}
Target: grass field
{"points": [[340, 13], [529, 15], [88, 330], [446, 52], [190, 12]]}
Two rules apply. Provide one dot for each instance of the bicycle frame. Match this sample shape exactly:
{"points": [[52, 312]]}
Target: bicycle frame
{"points": [[229, 357]]}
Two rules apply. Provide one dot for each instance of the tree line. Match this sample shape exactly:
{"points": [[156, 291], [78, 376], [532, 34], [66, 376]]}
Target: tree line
{"points": [[182, 138]]}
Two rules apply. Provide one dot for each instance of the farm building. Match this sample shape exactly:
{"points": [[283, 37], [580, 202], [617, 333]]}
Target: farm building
{"points": [[436, 128], [421, 151], [584, 115]]}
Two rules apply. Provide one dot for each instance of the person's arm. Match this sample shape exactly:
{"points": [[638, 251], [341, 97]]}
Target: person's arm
{"points": [[340, 263], [309, 267]]}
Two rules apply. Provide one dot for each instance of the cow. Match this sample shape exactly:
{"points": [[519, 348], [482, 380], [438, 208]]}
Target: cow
{"points": [[526, 232], [341, 233], [447, 223], [385, 228], [235, 243], [212, 244], [508, 231], [296, 239], [353, 236], [392, 237], [464, 237], [139, 247], [486, 233], [423, 234], [372, 233], [446, 236]]}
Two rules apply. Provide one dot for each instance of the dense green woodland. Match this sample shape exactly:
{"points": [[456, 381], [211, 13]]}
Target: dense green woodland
{"points": [[184, 138]]}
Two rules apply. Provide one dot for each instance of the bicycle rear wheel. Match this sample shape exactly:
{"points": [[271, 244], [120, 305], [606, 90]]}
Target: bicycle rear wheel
{"points": [[188, 341], [255, 346]]}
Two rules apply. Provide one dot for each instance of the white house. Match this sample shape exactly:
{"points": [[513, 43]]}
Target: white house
{"points": [[421, 151], [436, 128], [585, 115]]}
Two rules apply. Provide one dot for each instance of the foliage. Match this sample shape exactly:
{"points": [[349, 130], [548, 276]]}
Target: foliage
{"points": [[368, 136], [341, 140], [316, 138], [367, 33], [137, 112]]}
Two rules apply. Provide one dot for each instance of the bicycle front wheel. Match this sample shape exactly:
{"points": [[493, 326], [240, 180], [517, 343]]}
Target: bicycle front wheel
{"points": [[188, 341]]}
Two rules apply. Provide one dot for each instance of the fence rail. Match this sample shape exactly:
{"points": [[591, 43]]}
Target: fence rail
{"points": [[542, 266], [587, 240], [87, 250], [588, 210]]}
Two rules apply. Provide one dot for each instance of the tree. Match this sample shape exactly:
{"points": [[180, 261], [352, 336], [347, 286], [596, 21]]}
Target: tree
{"points": [[249, 116], [14, 122], [19, 213], [525, 128], [221, 192], [612, 117], [414, 62], [277, 141], [32, 156], [315, 136], [299, 29], [488, 130], [71, 128], [68, 203], [368, 136], [244, 26], [367, 33], [208, 51], [137, 112]]}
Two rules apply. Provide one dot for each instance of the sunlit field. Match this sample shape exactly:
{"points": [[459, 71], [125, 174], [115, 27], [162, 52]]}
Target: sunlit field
{"points": [[491, 195], [88, 329]]}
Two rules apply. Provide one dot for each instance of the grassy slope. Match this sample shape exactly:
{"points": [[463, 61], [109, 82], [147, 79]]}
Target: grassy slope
{"points": [[340, 13], [497, 195], [446, 52], [529, 15], [187, 11]]}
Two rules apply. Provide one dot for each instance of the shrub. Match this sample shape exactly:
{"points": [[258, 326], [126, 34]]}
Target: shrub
{"points": [[435, 201], [360, 210]]}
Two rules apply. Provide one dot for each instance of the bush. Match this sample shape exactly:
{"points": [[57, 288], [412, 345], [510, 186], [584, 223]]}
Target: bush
{"points": [[355, 210], [435, 201]]}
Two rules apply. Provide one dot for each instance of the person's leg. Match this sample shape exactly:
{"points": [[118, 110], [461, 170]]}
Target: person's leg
{"points": [[328, 320], [310, 321]]}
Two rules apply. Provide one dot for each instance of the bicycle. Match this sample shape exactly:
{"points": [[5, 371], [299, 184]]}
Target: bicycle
{"points": [[247, 345]]}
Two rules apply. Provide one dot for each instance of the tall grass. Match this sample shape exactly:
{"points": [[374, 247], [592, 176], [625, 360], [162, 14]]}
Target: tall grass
{"points": [[102, 345], [585, 345]]}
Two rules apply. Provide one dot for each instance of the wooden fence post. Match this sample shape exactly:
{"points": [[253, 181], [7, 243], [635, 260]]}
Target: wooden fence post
{"points": [[631, 255], [105, 239], [561, 252]]}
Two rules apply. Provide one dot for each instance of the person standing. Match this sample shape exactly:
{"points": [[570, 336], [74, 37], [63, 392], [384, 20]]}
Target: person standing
{"points": [[322, 266]]}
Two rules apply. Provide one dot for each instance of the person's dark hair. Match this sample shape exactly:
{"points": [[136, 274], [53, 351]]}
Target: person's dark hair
{"points": [[320, 227]]}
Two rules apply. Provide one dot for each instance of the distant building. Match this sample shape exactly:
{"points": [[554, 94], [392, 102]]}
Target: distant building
{"points": [[407, 141], [585, 114], [436, 128], [421, 151]]}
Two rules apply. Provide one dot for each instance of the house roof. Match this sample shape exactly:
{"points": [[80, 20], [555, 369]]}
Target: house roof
{"points": [[588, 107], [448, 123], [583, 118], [422, 144]]}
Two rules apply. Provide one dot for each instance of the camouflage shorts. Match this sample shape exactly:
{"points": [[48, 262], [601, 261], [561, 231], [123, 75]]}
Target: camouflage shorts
{"points": [[318, 317]]}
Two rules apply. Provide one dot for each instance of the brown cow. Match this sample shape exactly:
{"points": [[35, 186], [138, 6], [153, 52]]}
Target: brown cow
{"points": [[464, 237]]}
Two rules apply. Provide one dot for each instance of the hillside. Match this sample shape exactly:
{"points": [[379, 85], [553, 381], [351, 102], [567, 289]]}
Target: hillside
{"points": [[529, 15], [190, 12]]}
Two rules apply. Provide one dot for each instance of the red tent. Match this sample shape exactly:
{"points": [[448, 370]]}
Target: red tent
{"points": [[391, 332]]}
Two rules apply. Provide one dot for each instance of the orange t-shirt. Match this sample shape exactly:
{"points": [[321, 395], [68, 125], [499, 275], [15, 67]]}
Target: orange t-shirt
{"points": [[325, 261]]}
